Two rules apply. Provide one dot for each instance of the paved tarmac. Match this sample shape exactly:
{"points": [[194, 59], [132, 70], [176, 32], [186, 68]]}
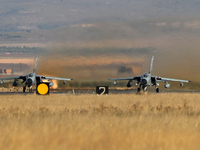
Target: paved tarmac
{"points": [[93, 91]]}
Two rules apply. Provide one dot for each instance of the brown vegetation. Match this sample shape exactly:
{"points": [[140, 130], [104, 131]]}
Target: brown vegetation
{"points": [[149, 121], [17, 61]]}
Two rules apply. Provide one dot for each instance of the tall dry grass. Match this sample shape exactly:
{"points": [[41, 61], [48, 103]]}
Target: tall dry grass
{"points": [[149, 121]]}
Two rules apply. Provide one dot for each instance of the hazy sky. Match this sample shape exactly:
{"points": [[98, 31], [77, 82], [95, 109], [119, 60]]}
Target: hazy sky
{"points": [[170, 27]]}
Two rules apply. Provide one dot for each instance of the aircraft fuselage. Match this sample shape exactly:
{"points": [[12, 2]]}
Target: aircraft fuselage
{"points": [[31, 79], [146, 80]]}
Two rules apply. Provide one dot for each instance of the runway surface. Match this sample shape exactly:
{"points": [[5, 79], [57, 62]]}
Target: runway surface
{"points": [[93, 91]]}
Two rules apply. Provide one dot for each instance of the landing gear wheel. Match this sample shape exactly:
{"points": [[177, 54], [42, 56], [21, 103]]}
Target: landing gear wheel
{"points": [[24, 88], [157, 90], [138, 90]]}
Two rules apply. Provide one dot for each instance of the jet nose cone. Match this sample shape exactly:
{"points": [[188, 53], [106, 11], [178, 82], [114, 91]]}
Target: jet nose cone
{"points": [[144, 81]]}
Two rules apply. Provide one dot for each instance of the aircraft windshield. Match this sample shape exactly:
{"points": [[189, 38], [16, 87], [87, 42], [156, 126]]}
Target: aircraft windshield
{"points": [[145, 75], [30, 75]]}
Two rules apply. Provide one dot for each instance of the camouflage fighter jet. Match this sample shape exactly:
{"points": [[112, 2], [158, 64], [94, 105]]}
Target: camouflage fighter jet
{"points": [[148, 80], [32, 78]]}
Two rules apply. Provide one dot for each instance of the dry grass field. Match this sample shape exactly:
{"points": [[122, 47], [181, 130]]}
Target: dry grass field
{"points": [[146, 121]]}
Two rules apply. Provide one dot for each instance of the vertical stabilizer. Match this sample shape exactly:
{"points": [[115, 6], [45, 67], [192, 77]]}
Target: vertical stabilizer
{"points": [[34, 71], [151, 66]]}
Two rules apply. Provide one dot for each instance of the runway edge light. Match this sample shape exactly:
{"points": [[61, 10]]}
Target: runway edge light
{"points": [[42, 88]]}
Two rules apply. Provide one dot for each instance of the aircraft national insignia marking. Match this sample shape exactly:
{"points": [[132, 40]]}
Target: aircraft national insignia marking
{"points": [[43, 88]]}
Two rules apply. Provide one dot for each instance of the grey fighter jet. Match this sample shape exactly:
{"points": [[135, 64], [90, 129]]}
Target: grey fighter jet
{"points": [[32, 79], [148, 80]]}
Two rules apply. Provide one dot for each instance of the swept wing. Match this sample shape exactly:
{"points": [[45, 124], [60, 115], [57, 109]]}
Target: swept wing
{"points": [[162, 79], [16, 77], [55, 78], [137, 78]]}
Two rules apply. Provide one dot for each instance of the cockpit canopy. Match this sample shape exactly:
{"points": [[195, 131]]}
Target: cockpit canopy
{"points": [[145, 75], [30, 75]]}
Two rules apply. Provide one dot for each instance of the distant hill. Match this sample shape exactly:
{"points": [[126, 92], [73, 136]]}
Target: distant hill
{"points": [[23, 15]]}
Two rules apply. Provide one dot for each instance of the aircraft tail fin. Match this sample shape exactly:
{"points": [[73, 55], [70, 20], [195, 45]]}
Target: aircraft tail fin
{"points": [[151, 66], [34, 71]]}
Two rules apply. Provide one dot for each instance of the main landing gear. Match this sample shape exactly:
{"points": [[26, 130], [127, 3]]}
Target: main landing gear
{"points": [[157, 90], [139, 89], [24, 88]]}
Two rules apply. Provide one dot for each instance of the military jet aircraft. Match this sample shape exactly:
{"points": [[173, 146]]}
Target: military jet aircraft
{"points": [[32, 79], [148, 80]]}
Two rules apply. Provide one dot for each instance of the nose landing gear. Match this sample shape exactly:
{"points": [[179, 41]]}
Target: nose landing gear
{"points": [[138, 90], [30, 89], [157, 89]]}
